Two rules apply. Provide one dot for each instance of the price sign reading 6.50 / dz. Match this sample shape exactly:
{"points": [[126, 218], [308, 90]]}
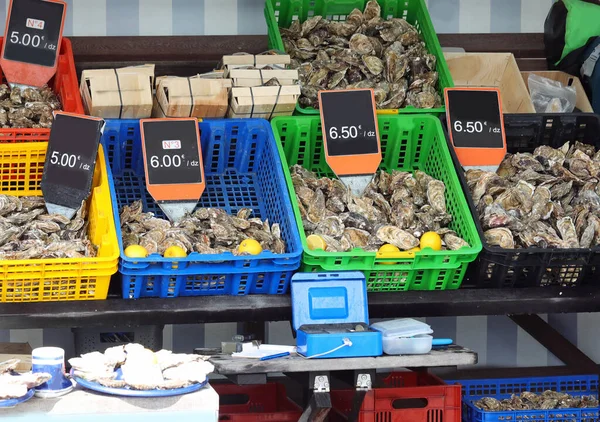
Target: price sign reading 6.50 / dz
{"points": [[476, 126], [350, 135], [32, 41], [70, 162], [173, 164]]}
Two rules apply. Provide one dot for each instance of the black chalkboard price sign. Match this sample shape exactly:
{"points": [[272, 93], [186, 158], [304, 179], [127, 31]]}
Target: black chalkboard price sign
{"points": [[70, 161], [32, 41], [476, 125], [350, 133], [173, 159]]}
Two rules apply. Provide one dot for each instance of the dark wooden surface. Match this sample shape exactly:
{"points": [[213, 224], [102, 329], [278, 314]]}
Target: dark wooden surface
{"points": [[447, 356], [191, 310], [187, 55]]}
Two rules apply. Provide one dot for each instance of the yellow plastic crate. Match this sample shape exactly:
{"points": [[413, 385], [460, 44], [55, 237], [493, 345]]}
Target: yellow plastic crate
{"points": [[45, 280]]}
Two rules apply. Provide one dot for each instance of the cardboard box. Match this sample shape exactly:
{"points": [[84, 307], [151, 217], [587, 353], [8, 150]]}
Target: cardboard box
{"points": [[583, 103], [196, 96], [124, 93], [21, 351], [497, 70]]}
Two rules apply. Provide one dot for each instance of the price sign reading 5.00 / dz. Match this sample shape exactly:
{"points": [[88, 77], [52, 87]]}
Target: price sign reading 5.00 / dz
{"points": [[173, 164], [70, 161], [476, 125], [32, 40]]}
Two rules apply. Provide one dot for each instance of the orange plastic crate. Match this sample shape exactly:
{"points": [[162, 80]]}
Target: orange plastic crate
{"points": [[64, 83], [407, 396]]}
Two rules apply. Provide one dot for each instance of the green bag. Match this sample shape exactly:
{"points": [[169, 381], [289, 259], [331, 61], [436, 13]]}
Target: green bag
{"points": [[570, 25]]}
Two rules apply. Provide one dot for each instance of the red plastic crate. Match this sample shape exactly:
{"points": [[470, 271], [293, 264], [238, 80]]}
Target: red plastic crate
{"points": [[252, 403], [407, 396], [64, 83]]}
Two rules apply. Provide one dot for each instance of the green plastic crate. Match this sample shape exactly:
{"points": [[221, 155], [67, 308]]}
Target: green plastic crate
{"points": [[408, 142], [284, 12]]}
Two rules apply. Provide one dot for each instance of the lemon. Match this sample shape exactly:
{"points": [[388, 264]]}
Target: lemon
{"points": [[417, 249], [315, 241], [136, 251], [431, 240], [387, 249], [175, 252], [250, 246]]}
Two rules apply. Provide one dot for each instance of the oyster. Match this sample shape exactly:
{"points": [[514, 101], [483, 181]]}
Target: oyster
{"points": [[28, 232], [396, 208], [363, 51], [141, 368], [27, 108], [531, 401], [548, 198], [211, 230]]}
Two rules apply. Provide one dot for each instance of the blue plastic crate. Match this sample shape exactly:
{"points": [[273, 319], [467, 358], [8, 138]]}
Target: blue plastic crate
{"points": [[502, 388], [242, 169]]}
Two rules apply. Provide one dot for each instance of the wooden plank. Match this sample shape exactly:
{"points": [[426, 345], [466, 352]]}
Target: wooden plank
{"points": [[521, 45], [188, 55], [552, 340], [451, 356]]}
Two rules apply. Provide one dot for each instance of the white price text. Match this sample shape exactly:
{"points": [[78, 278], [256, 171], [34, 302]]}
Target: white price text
{"points": [[29, 40], [349, 132], [172, 161], [68, 160], [469, 127]]}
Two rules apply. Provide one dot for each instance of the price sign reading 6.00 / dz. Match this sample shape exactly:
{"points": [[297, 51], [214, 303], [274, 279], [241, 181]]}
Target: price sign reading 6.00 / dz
{"points": [[476, 125], [350, 136], [173, 164], [70, 161], [32, 40]]}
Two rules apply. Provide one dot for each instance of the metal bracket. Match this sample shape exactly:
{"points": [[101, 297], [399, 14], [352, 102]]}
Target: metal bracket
{"points": [[321, 384], [363, 382]]}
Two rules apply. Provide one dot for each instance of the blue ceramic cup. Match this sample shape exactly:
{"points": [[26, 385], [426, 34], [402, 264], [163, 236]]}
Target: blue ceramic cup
{"points": [[52, 361]]}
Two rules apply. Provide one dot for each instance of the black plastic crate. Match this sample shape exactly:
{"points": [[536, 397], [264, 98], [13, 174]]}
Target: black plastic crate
{"points": [[532, 267]]}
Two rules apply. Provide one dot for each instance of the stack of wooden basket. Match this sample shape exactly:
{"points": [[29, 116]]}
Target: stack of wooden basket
{"points": [[262, 87]]}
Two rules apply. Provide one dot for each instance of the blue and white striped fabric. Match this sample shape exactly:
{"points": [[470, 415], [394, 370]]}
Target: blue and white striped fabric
{"points": [[231, 17]]}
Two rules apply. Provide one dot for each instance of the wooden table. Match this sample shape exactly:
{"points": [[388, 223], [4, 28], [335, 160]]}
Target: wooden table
{"points": [[316, 374]]}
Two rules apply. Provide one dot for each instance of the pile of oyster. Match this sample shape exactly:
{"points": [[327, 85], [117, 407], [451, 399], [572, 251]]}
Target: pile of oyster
{"points": [[27, 231], [396, 208], [206, 231], [363, 51], [28, 107], [530, 401], [548, 199]]}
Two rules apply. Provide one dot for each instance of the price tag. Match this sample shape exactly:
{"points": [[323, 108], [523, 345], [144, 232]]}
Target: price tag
{"points": [[32, 41], [476, 126], [350, 135], [70, 162], [173, 164]]}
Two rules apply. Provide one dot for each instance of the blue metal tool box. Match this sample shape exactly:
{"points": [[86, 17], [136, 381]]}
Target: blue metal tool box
{"points": [[331, 316]]}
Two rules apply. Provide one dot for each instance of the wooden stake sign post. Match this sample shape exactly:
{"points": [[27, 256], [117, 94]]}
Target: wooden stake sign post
{"points": [[476, 126], [173, 164], [351, 136], [32, 41], [70, 162]]}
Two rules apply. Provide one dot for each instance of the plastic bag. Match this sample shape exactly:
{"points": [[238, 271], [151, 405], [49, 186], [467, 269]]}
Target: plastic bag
{"points": [[550, 96]]}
